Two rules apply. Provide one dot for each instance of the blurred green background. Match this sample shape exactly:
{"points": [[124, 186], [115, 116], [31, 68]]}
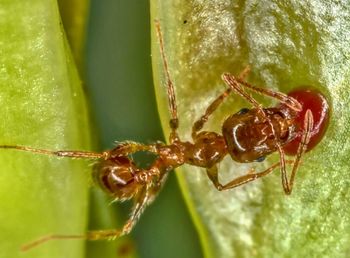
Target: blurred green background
{"points": [[120, 89]]}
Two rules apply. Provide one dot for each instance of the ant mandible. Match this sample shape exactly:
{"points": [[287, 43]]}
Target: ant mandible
{"points": [[247, 136]]}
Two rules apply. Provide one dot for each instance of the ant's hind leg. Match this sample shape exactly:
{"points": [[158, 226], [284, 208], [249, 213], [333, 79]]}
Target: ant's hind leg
{"points": [[123, 149], [141, 201], [60, 153], [144, 197], [198, 125]]}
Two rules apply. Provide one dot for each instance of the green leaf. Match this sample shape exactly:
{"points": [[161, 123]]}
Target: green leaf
{"points": [[43, 106], [74, 14], [287, 44]]}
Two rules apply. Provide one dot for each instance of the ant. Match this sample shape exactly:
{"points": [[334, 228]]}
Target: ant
{"points": [[247, 136]]}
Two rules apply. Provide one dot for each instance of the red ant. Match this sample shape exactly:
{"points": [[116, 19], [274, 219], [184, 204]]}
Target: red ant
{"points": [[247, 136]]}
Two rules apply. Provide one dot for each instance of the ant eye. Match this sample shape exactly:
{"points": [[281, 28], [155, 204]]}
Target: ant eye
{"points": [[260, 159], [243, 111]]}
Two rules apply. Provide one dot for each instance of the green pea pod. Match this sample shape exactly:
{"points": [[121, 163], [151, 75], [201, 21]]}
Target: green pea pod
{"points": [[286, 44]]}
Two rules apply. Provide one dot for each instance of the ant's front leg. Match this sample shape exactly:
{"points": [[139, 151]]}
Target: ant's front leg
{"points": [[305, 139], [233, 83], [198, 125], [283, 98]]}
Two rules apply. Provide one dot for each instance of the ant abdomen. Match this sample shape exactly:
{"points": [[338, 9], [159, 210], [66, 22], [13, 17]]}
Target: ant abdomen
{"points": [[116, 176]]}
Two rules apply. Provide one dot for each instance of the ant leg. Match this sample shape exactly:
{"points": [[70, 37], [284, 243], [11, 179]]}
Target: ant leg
{"points": [[198, 125], [234, 84], [213, 176], [174, 121], [157, 187], [140, 203], [248, 178], [305, 139], [283, 98], [68, 154], [129, 147], [122, 149]]}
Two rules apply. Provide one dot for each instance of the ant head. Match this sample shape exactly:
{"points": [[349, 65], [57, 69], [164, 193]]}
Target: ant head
{"points": [[117, 177], [247, 137]]}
